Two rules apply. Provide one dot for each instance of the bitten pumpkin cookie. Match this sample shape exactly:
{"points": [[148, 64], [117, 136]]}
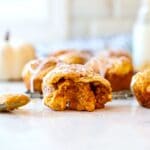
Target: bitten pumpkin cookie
{"points": [[75, 87]]}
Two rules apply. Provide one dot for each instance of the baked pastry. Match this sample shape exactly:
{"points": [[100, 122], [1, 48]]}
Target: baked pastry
{"points": [[73, 56], [9, 102], [116, 67], [58, 53], [35, 70], [141, 87], [115, 54], [75, 87], [13, 56]]}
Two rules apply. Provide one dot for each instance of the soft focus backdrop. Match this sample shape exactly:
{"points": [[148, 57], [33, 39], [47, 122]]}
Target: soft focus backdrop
{"points": [[52, 20]]}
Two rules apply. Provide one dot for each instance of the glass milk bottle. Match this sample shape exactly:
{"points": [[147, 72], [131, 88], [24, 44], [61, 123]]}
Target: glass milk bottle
{"points": [[141, 38]]}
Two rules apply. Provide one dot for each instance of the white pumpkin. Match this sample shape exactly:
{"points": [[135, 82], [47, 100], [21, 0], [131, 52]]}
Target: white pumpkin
{"points": [[6, 59], [13, 56]]}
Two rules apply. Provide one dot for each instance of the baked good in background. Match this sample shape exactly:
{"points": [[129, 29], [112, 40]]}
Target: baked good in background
{"points": [[115, 66], [14, 54], [141, 87], [35, 70], [142, 67], [115, 54], [75, 87], [9, 102], [72, 56]]}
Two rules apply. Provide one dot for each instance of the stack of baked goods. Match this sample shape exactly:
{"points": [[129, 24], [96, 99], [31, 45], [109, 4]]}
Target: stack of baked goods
{"points": [[35, 70], [115, 66], [75, 87], [79, 80]]}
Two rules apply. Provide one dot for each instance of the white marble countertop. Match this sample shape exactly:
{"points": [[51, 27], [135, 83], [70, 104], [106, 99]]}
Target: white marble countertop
{"points": [[122, 125]]}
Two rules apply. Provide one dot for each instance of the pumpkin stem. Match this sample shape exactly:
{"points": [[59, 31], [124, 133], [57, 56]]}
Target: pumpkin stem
{"points": [[7, 36]]}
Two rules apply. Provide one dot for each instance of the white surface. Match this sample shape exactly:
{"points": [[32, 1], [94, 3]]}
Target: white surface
{"points": [[122, 125]]}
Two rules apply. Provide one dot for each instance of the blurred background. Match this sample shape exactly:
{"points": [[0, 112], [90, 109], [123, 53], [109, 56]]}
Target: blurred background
{"points": [[50, 21]]}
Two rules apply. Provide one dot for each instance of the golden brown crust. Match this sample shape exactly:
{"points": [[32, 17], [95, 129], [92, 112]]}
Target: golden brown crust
{"points": [[58, 53], [35, 70], [9, 102], [116, 67], [76, 86], [141, 87], [120, 74], [119, 53], [72, 56], [75, 72]]}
